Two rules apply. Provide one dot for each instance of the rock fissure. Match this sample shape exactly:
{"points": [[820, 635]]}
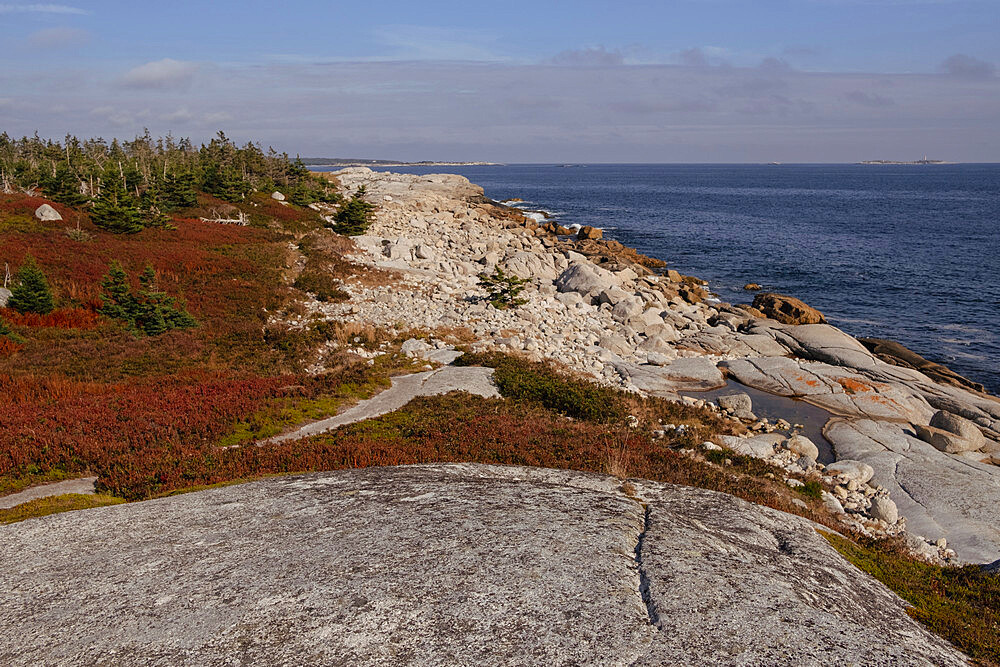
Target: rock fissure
{"points": [[644, 580]]}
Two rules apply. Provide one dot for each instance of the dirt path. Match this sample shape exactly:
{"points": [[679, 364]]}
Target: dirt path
{"points": [[472, 379], [81, 485]]}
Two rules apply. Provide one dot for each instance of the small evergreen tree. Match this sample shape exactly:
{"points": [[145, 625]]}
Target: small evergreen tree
{"points": [[355, 215], [150, 311], [158, 311], [116, 210], [31, 293], [503, 290], [179, 191], [117, 301], [63, 186]]}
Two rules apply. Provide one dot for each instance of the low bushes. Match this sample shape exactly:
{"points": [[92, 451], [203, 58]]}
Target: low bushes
{"points": [[523, 380], [962, 604]]}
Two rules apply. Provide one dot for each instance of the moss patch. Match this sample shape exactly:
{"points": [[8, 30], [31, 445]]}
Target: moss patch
{"points": [[55, 505], [962, 604]]}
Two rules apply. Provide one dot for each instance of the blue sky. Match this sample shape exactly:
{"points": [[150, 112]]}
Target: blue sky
{"points": [[684, 81]]}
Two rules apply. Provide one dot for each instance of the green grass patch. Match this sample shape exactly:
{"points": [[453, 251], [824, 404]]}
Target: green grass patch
{"points": [[962, 604], [522, 380], [811, 489], [55, 505]]}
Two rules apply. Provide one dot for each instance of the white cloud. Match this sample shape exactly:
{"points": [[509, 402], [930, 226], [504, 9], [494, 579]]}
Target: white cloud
{"points": [[41, 9], [166, 74]]}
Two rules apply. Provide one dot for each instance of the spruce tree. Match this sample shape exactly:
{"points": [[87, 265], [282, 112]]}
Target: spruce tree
{"points": [[31, 293], [355, 215], [179, 191], [116, 210], [149, 311], [117, 301]]}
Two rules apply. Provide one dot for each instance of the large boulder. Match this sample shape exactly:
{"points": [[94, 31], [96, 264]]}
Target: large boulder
{"points": [[529, 265], [960, 426], [588, 233], [4, 297], [760, 446], [686, 374], [802, 446], [741, 405], [46, 213], [946, 441], [825, 343], [586, 279], [787, 309], [444, 564], [853, 470]]}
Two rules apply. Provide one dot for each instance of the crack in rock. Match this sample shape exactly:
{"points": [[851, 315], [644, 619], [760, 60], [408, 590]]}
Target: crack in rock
{"points": [[644, 592]]}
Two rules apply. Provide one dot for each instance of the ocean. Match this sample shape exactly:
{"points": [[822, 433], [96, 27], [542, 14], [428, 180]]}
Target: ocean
{"points": [[905, 252]]}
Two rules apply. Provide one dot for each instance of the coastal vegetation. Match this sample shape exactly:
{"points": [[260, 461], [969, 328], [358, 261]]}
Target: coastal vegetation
{"points": [[503, 291]]}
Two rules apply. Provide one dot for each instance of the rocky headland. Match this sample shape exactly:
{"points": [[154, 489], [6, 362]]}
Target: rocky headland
{"points": [[915, 446]]}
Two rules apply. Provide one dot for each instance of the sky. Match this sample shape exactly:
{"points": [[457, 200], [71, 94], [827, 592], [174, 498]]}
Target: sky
{"points": [[517, 81]]}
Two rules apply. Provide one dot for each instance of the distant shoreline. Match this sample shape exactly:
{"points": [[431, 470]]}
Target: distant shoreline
{"points": [[924, 161], [335, 162]]}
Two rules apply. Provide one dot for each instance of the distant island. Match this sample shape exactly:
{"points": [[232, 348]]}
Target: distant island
{"points": [[924, 161], [352, 162]]}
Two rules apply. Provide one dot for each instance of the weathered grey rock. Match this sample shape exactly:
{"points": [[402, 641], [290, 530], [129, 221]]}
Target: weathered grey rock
{"points": [[760, 446], [750, 579], [585, 279], [832, 503], [658, 359], [946, 441], [883, 508], [277, 196], [46, 213], [424, 251], [802, 446], [822, 342], [834, 388], [4, 296], [445, 564], [939, 494], [686, 374], [414, 346], [959, 426], [529, 265], [740, 404], [627, 308], [851, 469]]}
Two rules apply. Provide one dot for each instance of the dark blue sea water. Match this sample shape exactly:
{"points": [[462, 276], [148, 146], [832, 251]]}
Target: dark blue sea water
{"points": [[906, 252]]}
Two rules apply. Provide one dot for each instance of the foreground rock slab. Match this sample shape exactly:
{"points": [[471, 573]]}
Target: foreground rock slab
{"points": [[443, 564]]}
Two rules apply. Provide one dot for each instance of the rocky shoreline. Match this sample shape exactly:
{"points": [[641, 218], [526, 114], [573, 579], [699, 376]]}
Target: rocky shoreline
{"points": [[917, 449]]}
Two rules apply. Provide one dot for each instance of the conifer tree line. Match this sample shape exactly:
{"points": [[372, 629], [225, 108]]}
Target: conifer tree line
{"points": [[130, 185]]}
